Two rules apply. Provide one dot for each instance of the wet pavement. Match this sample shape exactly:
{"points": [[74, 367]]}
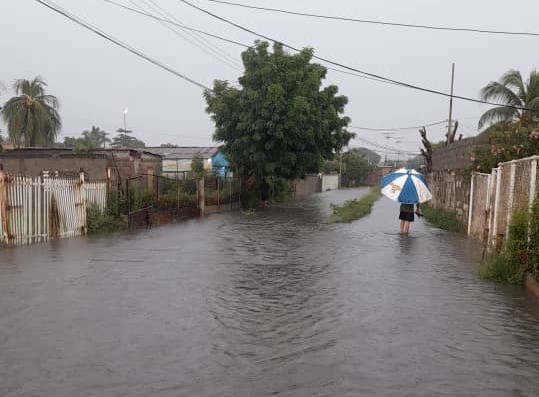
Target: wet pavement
{"points": [[277, 303]]}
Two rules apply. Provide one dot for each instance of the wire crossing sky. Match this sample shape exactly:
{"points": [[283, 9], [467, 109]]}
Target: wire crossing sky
{"points": [[95, 81], [384, 23]]}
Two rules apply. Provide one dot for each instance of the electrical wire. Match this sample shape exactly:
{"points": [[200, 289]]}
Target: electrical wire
{"points": [[195, 39], [224, 39], [398, 128], [376, 22], [386, 148], [117, 42], [408, 85]]}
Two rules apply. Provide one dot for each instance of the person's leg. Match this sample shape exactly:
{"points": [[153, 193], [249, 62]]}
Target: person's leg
{"points": [[406, 227], [402, 226]]}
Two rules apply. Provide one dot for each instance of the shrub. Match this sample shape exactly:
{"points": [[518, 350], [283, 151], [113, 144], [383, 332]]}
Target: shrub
{"points": [[98, 221], [511, 264], [442, 219]]}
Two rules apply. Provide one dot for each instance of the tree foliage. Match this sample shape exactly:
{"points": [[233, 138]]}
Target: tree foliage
{"points": [[125, 141], [354, 166], [512, 91], [32, 116], [94, 138], [280, 121], [197, 167]]}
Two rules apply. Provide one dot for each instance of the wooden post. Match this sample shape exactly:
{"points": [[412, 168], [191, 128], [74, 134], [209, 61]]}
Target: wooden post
{"points": [[201, 196], [451, 104], [3, 206]]}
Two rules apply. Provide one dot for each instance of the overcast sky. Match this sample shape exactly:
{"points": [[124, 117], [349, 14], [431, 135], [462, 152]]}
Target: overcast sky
{"points": [[95, 80]]}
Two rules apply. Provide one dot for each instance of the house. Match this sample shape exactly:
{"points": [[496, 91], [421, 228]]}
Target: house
{"points": [[99, 164], [177, 160]]}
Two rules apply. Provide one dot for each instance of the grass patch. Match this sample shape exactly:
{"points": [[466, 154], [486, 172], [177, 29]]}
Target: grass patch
{"points": [[98, 221], [355, 209], [442, 219]]}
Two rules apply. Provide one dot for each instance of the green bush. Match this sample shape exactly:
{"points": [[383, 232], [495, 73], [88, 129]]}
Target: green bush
{"points": [[511, 264], [442, 219], [279, 190], [98, 221], [355, 209], [533, 251]]}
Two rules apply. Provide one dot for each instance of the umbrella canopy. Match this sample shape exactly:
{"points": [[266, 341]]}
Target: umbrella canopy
{"points": [[406, 186]]}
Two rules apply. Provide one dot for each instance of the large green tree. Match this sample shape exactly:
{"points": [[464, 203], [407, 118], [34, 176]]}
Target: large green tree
{"points": [[32, 116], [512, 91], [280, 121]]}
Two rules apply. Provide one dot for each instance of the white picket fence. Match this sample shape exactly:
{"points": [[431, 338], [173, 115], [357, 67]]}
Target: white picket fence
{"points": [[36, 209], [494, 197]]}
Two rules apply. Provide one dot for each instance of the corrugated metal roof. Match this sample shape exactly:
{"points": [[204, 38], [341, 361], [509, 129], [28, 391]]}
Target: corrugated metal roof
{"points": [[184, 152]]}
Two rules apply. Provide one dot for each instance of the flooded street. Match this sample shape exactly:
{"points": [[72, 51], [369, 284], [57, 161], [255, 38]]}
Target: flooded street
{"points": [[277, 303]]}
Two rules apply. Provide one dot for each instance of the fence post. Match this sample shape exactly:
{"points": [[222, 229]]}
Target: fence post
{"points": [[470, 204], [201, 196], [497, 201], [533, 182], [511, 197], [3, 206], [83, 204]]}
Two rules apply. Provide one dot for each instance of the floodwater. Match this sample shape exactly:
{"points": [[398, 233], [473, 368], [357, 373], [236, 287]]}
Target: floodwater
{"points": [[277, 303]]}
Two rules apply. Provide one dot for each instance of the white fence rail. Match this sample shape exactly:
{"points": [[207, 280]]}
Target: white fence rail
{"points": [[494, 197], [36, 209]]}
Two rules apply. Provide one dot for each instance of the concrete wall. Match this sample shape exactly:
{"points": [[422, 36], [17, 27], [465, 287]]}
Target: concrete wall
{"points": [[450, 191], [330, 182], [458, 155], [65, 163], [308, 185]]}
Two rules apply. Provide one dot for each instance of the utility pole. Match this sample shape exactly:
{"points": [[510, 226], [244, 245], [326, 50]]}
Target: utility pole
{"points": [[340, 170], [449, 132]]}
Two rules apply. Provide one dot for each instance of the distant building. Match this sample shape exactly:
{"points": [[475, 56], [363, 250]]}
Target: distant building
{"points": [[177, 160], [97, 165]]}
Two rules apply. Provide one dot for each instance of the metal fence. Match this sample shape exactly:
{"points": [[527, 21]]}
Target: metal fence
{"points": [[496, 196], [36, 209], [221, 191]]}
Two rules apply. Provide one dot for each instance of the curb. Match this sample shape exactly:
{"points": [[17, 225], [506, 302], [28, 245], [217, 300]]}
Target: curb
{"points": [[532, 284]]}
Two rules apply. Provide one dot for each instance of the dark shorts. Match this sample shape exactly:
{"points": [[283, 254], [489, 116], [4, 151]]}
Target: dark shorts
{"points": [[406, 216]]}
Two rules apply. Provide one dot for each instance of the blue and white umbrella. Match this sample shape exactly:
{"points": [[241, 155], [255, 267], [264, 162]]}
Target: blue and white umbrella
{"points": [[406, 186]]}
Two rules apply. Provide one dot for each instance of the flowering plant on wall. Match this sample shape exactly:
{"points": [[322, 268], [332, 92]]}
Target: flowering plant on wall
{"points": [[507, 142]]}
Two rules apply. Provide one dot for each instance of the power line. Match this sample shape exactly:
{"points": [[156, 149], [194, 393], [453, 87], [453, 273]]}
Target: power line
{"points": [[386, 148], [199, 42], [375, 22], [125, 46], [373, 75], [182, 26], [398, 128]]}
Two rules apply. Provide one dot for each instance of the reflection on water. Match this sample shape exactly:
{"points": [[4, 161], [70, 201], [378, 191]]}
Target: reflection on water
{"points": [[280, 302]]}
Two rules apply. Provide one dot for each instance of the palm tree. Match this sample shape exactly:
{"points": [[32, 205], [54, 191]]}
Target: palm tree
{"points": [[95, 137], [512, 91], [32, 116]]}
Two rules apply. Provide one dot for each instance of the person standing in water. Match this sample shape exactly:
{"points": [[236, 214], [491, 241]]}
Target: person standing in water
{"points": [[406, 216]]}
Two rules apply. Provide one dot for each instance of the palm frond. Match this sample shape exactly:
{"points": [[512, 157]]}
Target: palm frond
{"points": [[495, 91], [513, 79], [497, 114]]}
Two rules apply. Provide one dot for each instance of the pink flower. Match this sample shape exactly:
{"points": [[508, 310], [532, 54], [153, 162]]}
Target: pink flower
{"points": [[534, 135]]}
